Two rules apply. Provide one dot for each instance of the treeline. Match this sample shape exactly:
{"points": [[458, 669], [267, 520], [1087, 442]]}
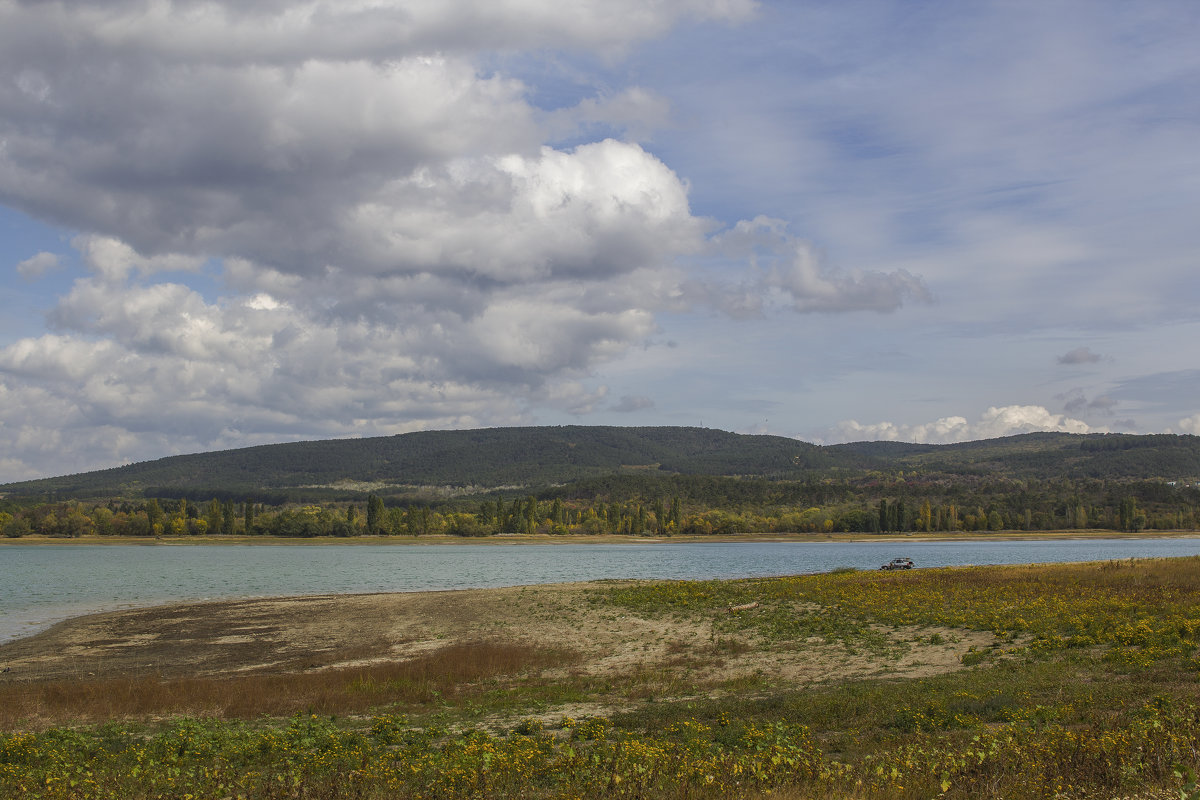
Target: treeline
{"points": [[652, 506]]}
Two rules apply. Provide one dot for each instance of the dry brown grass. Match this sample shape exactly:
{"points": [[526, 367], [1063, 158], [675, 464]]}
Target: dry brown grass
{"points": [[444, 673]]}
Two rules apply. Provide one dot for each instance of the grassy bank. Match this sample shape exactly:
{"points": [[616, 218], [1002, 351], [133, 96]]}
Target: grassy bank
{"points": [[1073, 681]]}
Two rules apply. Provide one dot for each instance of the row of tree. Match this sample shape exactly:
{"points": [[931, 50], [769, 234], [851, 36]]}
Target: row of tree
{"points": [[655, 516]]}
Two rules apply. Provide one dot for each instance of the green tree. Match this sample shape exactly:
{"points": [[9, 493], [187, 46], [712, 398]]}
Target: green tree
{"points": [[213, 516], [417, 520], [102, 521], [17, 526], [375, 515], [1132, 518], [153, 513], [512, 521], [530, 514]]}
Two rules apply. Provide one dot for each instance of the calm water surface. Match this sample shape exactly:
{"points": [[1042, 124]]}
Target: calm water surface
{"points": [[40, 585]]}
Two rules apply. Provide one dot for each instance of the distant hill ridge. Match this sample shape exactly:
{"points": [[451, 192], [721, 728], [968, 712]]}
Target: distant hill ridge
{"points": [[543, 456]]}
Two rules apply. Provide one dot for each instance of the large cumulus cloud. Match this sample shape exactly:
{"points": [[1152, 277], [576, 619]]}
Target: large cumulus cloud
{"points": [[311, 218]]}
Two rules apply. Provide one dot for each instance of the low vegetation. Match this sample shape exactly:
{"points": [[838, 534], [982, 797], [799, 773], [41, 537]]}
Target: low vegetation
{"points": [[444, 675], [1086, 688]]}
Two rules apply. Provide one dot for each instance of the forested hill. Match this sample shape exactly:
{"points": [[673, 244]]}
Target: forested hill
{"points": [[538, 457], [1043, 455], [485, 458]]}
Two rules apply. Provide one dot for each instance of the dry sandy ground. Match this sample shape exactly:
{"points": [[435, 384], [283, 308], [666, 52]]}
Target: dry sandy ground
{"points": [[308, 633]]}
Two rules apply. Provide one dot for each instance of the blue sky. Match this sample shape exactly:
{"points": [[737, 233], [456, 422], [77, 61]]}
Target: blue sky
{"points": [[224, 225]]}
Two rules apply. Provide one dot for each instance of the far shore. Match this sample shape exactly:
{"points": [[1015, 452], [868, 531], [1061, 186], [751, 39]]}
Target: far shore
{"points": [[518, 539]]}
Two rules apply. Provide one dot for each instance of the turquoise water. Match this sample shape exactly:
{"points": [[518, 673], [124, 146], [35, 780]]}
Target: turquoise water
{"points": [[40, 584]]}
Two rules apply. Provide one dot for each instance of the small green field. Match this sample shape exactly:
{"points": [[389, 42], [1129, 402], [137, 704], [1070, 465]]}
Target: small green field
{"points": [[1084, 683]]}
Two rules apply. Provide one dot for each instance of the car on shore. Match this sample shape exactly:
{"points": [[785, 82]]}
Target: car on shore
{"points": [[898, 563]]}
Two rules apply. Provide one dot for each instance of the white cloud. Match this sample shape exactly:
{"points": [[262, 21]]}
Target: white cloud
{"points": [[596, 211], [37, 266], [995, 422], [54, 358], [207, 31], [151, 359], [397, 246], [1190, 425], [114, 260]]}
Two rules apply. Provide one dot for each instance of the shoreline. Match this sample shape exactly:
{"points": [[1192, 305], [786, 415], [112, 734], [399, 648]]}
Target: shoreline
{"points": [[548, 539], [191, 638], [288, 632], [33, 625]]}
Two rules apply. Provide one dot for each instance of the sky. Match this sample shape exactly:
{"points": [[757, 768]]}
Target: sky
{"points": [[228, 223]]}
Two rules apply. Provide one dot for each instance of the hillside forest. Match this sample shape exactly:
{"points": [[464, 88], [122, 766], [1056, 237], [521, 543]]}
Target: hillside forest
{"points": [[589, 481]]}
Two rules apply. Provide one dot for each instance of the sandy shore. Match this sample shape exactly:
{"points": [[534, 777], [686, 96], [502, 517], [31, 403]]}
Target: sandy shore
{"points": [[278, 634], [295, 634], [302, 634]]}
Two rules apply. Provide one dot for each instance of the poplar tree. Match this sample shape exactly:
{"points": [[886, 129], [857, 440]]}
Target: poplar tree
{"points": [[153, 513], [375, 513], [530, 514], [213, 516]]}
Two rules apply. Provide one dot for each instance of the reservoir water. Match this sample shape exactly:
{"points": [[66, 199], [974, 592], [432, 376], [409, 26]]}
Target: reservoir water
{"points": [[43, 584]]}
